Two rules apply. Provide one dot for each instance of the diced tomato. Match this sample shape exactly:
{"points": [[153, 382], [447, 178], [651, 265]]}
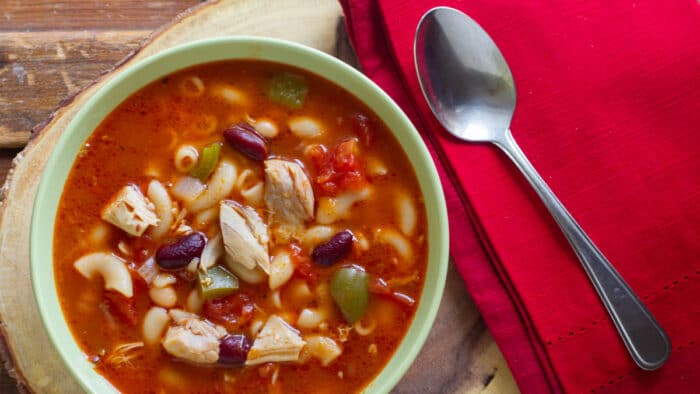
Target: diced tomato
{"points": [[232, 311], [318, 153], [379, 287], [362, 126], [121, 306], [143, 248], [341, 169], [304, 267]]}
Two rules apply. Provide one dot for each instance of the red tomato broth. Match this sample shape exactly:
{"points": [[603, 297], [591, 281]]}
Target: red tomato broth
{"points": [[138, 137]]}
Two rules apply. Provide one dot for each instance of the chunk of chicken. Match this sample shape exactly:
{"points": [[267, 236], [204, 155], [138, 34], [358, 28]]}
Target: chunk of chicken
{"points": [[245, 236], [288, 196], [193, 339], [276, 342], [130, 211]]}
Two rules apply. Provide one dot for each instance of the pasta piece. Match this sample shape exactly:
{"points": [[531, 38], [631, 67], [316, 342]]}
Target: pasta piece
{"points": [[192, 87], [254, 276], [316, 235], [323, 295], [255, 327], [218, 188], [207, 125], [281, 270], [310, 318], [124, 248], [230, 94], [254, 194], [406, 213], [186, 157], [332, 209], [298, 293], [213, 250], [305, 127], [400, 244], [163, 296], [193, 265], [206, 216], [362, 241], [164, 279], [99, 234], [246, 178], [155, 321], [194, 301], [163, 208], [266, 127], [364, 330], [324, 349], [111, 268], [276, 300]]}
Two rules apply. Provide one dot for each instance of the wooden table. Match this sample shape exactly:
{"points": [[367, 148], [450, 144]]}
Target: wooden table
{"points": [[49, 50]]}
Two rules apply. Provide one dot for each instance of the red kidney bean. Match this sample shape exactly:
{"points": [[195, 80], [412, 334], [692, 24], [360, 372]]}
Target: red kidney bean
{"points": [[178, 254], [233, 349], [334, 250], [245, 139]]}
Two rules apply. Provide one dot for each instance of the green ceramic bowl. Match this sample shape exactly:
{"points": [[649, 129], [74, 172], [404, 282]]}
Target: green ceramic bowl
{"points": [[166, 62]]}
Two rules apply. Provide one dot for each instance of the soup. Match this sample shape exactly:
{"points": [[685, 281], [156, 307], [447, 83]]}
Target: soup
{"points": [[240, 226]]}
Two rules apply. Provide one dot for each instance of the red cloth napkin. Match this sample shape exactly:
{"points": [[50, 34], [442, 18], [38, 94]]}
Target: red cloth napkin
{"points": [[609, 113]]}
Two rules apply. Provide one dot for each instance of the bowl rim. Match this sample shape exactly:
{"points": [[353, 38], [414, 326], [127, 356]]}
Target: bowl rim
{"points": [[134, 77]]}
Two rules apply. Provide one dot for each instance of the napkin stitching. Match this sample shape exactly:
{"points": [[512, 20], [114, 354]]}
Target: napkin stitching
{"points": [[689, 344], [649, 299]]}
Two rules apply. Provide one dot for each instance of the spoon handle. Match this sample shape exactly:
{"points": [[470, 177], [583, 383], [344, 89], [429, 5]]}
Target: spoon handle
{"points": [[644, 338]]}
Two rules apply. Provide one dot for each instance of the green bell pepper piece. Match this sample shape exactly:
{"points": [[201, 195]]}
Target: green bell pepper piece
{"points": [[350, 290], [288, 89], [216, 283], [207, 161]]}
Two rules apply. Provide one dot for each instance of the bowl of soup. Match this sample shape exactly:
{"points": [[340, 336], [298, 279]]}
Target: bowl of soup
{"points": [[239, 215]]}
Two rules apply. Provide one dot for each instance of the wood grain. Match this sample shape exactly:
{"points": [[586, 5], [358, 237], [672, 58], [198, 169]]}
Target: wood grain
{"points": [[37, 15], [49, 50], [460, 355], [42, 68]]}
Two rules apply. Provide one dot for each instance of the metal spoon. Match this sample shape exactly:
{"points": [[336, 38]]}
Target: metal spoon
{"points": [[470, 89]]}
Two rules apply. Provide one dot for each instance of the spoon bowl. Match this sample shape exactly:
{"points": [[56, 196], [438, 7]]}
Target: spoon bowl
{"points": [[464, 76], [469, 87]]}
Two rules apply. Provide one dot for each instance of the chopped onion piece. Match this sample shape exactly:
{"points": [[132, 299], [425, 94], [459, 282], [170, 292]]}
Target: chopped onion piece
{"points": [[187, 189], [148, 271]]}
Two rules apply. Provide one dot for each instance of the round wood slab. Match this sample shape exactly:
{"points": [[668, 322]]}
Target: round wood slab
{"points": [[460, 355]]}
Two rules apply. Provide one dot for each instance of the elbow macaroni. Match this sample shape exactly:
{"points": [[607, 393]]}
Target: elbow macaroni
{"points": [[218, 188], [164, 209], [111, 268]]}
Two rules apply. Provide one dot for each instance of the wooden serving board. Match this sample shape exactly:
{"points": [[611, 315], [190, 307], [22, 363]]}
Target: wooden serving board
{"points": [[459, 356]]}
